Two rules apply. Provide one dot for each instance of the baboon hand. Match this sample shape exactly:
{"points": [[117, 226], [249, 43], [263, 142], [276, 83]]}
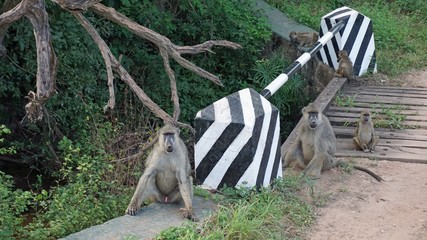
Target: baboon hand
{"points": [[188, 214], [132, 209]]}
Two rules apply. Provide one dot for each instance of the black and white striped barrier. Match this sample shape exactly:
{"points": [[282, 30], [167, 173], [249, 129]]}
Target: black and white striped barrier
{"points": [[357, 38], [238, 136]]}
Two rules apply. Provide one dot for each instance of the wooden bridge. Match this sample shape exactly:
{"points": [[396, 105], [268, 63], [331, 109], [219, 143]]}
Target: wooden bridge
{"points": [[399, 114]]}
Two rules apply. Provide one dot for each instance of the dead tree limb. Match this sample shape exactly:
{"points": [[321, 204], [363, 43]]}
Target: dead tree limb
{"points": [[35, 11], [125, 76], [163, 42]]}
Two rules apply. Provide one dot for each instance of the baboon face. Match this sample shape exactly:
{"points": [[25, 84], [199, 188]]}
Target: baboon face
{"points": [[342, 54], [167, 136], [293, 36], [366, 116], [313, 118], [311, 114]]}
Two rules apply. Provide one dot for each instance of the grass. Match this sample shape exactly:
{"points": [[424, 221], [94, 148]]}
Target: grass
{"points": [[400, 27], [244, 213]]}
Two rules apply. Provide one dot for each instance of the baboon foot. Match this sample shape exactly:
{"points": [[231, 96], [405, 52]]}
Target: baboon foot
{"points": [[132, 210], [372, 150], [366, 150], [188, 214], [313, 173]]}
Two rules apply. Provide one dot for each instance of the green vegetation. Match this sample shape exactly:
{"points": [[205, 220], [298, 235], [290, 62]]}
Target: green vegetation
{"points": [[400, 27], [271, 213], [390, 117], [346, 101], [86, 150]]}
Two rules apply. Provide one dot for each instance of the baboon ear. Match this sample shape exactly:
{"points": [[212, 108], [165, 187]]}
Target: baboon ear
{"points": [[303, 110]]}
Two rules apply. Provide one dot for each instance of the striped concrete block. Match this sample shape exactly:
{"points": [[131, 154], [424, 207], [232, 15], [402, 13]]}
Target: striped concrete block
{"points": [[238, 142], [357, 38]]}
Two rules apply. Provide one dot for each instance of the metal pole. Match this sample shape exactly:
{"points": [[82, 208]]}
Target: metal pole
{"points": [[303, 59]]}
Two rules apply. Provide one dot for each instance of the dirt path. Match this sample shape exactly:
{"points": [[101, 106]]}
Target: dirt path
{"points": [[356, 206], [359, 207]]}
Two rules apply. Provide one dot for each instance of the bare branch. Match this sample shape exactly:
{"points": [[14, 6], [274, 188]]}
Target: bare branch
{"points": [[35, 11], [163, 42], [125, 76], [174, 91], [206, 46], [105, 54]]}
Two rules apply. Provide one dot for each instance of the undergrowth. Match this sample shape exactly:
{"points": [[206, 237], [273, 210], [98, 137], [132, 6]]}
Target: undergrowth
{"points": [[245, 213]]}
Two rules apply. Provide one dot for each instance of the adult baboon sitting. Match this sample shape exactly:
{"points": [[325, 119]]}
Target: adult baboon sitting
{"points": [[315, 146]]}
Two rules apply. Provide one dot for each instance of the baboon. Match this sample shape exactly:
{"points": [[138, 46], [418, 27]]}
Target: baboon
{"points": [[314, 148], [167, 176], [345, 65], [364, 134], [303, 39]]}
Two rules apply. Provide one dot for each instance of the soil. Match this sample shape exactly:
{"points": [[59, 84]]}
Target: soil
{"points": [[355, 206]]}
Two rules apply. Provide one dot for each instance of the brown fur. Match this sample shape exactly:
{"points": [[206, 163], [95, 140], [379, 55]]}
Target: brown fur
{"points": [[314, 148], [364, 135], [345, 65], [167, 174], [303, 39]]}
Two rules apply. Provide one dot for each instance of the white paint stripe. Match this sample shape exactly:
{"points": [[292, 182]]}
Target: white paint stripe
{"points": [[358, 41], [277, 83], [222, 120], [273, 156], [368, 56], [250, 176], [325, 38], [218, 172], [349, 27], [304, 58]]}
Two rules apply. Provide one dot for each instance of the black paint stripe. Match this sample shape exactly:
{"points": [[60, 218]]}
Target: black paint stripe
{"points": [[327, 50], [227, 137], [202, 124], [317, 46], [338, 13], [354, 33], [292, 68], [268, 144], [245, 157], [265, 93], [277, 161], [373, 62], [361, 52]]}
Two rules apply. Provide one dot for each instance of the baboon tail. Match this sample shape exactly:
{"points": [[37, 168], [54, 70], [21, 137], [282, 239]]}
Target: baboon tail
{"points": [[374, 175]]}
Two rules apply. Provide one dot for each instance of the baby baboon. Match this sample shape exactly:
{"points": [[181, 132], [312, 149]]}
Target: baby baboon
{"points": [[315, 146], [303, 39], [364, 135], [167, 176], [345, 65]]}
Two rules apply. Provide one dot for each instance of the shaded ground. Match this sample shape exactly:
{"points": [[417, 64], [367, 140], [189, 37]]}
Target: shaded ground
{"points": [[356, 206]]}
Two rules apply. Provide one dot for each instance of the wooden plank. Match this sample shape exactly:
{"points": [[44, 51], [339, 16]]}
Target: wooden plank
{"points": [[390, 155], [356, 116], [358, 109], [388, 89], [322, 101], [390, 100], [384, 133], [377, 94], [341, 121], [348, 144]]}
